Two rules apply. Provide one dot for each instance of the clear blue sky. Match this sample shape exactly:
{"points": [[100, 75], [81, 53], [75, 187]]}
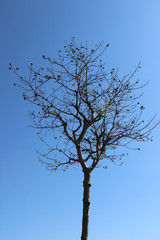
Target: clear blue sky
{"points": [[125, 201]]}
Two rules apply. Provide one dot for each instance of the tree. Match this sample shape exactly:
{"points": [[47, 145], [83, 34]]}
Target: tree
{"points": [[88, 112]]}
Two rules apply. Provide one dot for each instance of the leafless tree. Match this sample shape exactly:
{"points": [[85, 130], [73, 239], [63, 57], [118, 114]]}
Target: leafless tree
{"points": [[84, 113]]}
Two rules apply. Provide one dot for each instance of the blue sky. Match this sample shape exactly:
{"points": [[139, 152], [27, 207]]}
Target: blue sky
{"points": [[125, 201]]}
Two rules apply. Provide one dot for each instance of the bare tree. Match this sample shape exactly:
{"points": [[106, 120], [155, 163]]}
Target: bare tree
{"points": [[89, 113]]}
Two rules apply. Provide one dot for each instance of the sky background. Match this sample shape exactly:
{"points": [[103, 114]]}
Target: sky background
{"points": [[125, 201]]}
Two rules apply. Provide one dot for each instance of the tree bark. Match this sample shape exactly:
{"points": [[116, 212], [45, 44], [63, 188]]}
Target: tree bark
{"points": [[86, 205]]}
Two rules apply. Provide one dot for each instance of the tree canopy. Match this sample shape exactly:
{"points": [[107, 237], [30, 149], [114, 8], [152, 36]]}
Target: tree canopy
{"points": [[89, 112]]}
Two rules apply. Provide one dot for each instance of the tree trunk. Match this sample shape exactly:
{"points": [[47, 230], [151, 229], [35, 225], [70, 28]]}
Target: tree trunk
{"points": [[86, 205]]}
